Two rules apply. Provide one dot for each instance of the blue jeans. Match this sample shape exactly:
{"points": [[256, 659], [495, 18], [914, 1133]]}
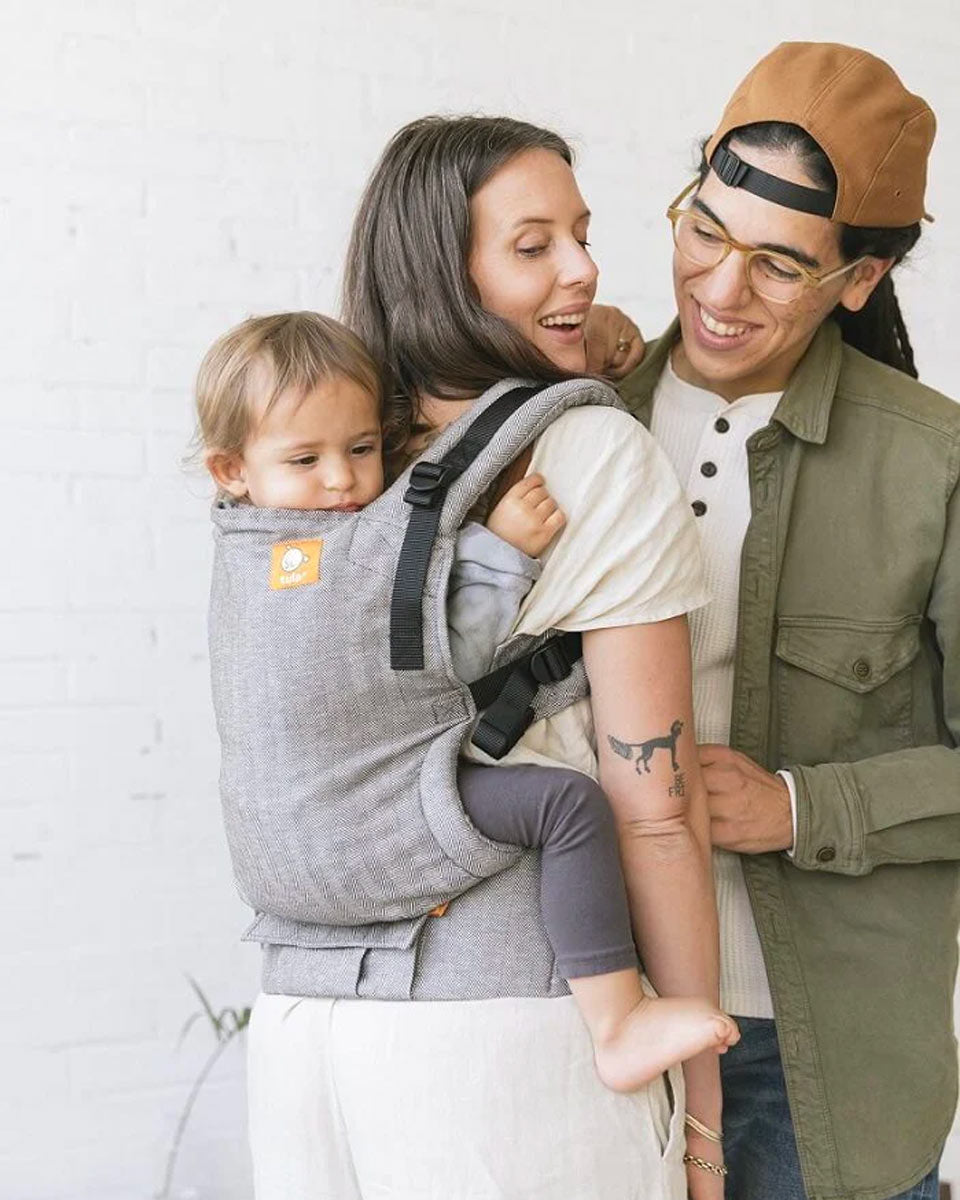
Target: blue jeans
{"points": [[758, 1141]]}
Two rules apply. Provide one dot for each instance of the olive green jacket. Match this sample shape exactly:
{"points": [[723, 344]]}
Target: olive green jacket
{"points": [[848, 672]]}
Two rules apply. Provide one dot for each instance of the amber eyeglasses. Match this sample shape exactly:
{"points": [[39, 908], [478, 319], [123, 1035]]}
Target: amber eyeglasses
{"points": [[772, 275]]}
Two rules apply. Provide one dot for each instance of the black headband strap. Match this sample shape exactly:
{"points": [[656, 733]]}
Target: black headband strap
{"points": [[734, 172]]}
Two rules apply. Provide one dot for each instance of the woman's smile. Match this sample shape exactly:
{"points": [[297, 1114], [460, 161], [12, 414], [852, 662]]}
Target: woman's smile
{"points": [[566, 326]]}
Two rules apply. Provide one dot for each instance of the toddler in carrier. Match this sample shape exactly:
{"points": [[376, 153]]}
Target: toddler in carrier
{"points": [[291, 417]]}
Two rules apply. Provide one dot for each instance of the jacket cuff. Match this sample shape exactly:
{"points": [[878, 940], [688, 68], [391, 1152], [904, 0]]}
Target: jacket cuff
{"points": [[792, 789], [830, 827]]}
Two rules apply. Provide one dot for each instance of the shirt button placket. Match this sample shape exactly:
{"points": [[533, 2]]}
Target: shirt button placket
{"points": [[700, 506], [708, 469]]}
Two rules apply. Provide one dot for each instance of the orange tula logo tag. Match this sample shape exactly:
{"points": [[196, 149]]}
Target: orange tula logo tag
{"points": [[295, 563]]}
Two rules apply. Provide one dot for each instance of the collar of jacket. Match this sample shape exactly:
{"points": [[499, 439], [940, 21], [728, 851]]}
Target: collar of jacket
{"points": [[804, 407]]}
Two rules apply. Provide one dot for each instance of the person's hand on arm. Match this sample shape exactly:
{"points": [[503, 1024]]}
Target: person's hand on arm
{"points": [[614, 343], [640, 683], [750, 808]]}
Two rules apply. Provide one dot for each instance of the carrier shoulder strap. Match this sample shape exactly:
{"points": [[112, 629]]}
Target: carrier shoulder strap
{"points": [[513, 474], [426, 493], [507, 694]]}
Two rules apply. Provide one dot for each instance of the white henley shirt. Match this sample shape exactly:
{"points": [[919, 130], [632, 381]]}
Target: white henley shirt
{"points": [[705, 438]]}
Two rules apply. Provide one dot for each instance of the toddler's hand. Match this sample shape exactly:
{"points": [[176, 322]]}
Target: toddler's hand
{"points": [[527, 516]]}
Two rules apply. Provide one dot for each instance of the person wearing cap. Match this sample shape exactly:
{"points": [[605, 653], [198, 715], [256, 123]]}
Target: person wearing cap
{"points": [[827, 669]]}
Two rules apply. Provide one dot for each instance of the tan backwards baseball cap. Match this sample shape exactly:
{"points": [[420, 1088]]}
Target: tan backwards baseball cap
{"points": [[876, 134]]}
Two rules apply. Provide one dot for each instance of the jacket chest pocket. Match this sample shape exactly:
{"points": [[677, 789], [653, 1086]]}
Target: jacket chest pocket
{"points": [[844, 688]]}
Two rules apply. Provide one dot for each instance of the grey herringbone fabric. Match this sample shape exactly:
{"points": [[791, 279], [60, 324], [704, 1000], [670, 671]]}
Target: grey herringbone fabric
{"points": [[338, 775]]}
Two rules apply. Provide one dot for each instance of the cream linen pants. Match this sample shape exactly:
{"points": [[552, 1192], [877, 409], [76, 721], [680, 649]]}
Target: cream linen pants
{"points": [[440, 1100]]}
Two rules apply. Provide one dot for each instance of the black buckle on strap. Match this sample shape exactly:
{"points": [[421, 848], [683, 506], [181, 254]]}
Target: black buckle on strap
{"points": [[428, 482], [508, 693], [550, 663], [495, 741], [729, 167]]}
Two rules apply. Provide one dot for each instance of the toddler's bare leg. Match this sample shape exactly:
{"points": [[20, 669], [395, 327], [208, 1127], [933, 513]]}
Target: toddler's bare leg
{"points": [[567, 816], [636, 1037]]}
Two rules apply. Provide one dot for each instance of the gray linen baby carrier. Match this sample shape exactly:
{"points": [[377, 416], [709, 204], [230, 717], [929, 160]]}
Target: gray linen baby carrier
{"points": [[340, 717]]}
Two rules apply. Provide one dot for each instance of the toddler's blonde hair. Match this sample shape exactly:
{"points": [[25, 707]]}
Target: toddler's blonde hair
{"points": [[297, 350]]}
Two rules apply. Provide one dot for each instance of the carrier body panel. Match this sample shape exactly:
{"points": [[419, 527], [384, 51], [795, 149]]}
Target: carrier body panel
{"points": [[338, 777]]}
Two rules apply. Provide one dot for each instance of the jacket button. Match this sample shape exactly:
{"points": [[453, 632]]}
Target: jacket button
{"points": [[699, 508], [721, 424], [826, 854], [709, 469], [862, 669]]}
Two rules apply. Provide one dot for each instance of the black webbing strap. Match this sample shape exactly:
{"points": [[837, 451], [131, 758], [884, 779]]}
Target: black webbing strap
{"points": [[736, 173], [426, 493], [508, 693]]}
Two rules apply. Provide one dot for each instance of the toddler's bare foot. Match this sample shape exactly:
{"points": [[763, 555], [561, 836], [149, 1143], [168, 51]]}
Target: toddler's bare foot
{"points": [[657, 1034]]}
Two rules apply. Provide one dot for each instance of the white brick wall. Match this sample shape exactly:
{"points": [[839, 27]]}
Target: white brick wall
{"points": [[169, 166]]}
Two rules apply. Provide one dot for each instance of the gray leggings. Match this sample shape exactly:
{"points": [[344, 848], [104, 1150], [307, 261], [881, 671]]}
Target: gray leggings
{"points": [[567, 817]]}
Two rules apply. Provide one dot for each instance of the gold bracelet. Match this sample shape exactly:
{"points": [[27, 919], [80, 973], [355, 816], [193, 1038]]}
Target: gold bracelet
{"points": [[713, 1168], [704, 1130]]}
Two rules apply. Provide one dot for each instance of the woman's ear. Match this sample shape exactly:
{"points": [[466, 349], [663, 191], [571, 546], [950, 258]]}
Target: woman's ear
{"points": [[863, 279], [229, 472]]}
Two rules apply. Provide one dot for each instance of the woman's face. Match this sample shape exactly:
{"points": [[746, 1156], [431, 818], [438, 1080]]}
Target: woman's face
{"points": [[736, 343], [528, 254]]}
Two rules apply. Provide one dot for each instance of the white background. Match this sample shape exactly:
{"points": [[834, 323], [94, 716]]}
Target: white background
{"points": [[169, 167]]}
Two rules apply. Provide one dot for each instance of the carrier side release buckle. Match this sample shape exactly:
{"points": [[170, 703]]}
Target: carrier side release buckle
{"points": [[508, 694], [550, 664]]}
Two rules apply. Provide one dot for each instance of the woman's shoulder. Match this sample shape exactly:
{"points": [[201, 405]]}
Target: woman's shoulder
{"points": [[630, 551], [594, 431], [603, 446]]}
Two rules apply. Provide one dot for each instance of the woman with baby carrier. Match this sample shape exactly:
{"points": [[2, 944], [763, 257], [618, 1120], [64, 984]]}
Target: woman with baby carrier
{"points": [[450, 1061]]}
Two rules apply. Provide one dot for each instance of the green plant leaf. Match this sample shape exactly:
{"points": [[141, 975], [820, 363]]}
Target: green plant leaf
{"points": [[226, 1026], [194, 1017], [207, 1008]]}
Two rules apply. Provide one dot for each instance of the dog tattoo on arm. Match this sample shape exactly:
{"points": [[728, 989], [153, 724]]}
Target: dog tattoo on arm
{"points": [[645, 750]]}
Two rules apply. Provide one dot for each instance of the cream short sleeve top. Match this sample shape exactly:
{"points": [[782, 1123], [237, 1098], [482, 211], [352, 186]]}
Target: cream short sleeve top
{"points": [[629, 554]]}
